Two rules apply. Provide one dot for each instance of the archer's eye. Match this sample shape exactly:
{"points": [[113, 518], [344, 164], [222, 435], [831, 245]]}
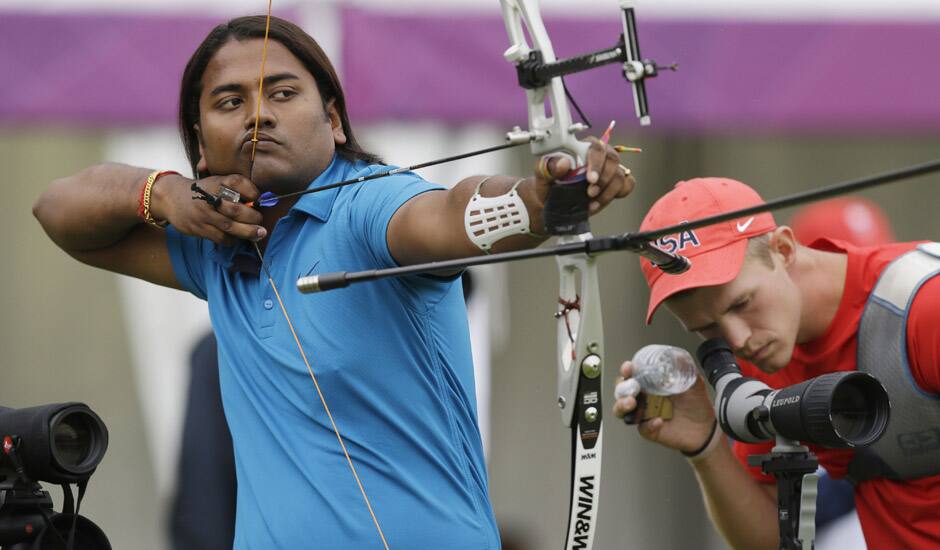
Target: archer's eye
{"points": [[230, 103], [283, 94]]}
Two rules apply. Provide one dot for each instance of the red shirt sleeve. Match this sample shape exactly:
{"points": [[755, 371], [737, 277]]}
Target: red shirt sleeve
{"points": [[923, 336]]}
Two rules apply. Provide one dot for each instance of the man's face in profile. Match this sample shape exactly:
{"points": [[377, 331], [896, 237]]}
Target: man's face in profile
{"points": [[758, 313]]}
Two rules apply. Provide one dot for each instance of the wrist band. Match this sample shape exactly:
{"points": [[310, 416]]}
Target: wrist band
{"points": [[143, 207], [706, 449], [490, 219]]}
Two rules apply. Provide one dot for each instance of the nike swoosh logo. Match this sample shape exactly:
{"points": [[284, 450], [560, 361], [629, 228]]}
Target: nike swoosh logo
{"points": [[742, 227]]}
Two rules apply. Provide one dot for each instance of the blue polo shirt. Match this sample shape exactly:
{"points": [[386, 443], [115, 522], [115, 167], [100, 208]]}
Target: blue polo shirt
{"points": [[392, 358]]}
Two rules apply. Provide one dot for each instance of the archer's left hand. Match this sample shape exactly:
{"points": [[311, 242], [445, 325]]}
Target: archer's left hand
{"points": [[607, 178]]}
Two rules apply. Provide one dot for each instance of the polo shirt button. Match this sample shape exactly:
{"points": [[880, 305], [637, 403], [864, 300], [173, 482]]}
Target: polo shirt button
{"points": [[268, 304]]}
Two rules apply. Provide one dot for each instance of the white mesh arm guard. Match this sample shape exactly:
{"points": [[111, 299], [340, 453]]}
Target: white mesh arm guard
{"points": [[490, 219]]}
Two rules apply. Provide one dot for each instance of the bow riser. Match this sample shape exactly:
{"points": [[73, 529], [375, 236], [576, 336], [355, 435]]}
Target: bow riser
{"points": [[554, 133], [580, 329], [578, 283]]}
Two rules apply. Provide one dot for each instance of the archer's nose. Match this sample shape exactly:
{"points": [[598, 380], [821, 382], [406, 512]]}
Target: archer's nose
{"points": [[737, 334], [265, 119]]}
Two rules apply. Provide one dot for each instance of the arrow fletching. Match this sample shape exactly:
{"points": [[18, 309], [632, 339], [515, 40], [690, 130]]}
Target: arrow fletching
{"points": [[267, 199]]}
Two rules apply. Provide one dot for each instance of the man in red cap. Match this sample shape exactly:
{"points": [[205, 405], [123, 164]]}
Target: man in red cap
{"points": [[852, 219], [791, 313]]}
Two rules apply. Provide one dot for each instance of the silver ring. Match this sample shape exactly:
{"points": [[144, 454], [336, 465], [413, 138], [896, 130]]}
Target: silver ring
{"points": [[229, 195]]}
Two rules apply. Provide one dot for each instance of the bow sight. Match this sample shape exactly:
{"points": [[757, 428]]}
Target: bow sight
{"points": [[534, 72]]}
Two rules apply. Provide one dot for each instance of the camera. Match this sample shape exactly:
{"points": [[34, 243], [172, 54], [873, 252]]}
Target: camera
{"points": [[60, 443], [839, 409]]}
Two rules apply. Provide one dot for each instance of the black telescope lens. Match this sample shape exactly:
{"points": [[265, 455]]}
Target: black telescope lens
{"points": [[838, 409], [60, 442], [72, 437], [859, 409], [848, 412], [78, 440]]}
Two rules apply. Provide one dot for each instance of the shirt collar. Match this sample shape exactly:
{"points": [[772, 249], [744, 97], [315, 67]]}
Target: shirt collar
{"points": [[241, 257], [320, 204]]}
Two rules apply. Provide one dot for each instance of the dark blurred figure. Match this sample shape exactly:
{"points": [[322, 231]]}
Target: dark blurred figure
{"points": [[203, 514]]}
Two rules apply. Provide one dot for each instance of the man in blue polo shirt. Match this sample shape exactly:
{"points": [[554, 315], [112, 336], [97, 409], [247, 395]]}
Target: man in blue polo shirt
{"points": [[361, 433], [401, 367]]}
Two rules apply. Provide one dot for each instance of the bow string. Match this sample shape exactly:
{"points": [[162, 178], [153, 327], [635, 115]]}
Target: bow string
{"points": [[287, 318]]}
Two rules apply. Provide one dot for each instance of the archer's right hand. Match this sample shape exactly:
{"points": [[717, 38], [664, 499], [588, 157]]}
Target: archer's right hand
{"points": [[692, 416], [229, 222]]}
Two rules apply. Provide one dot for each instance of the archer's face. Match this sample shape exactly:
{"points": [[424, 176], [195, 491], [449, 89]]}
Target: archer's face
{"points": [[296, 136], [758, 313]]}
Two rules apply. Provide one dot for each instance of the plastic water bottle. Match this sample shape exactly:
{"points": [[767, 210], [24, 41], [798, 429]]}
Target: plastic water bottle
{"points": [[664, 370]]}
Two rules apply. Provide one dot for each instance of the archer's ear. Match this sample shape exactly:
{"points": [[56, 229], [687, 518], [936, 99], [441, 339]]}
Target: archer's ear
{"points": [[201, 166], [783, 242], [336, 122]]}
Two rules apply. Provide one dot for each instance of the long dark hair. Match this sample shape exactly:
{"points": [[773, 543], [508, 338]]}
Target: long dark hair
{"points": [[301, 44]]}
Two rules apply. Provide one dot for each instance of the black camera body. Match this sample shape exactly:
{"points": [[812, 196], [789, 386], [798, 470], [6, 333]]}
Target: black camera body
{"points": [[60, 443]]}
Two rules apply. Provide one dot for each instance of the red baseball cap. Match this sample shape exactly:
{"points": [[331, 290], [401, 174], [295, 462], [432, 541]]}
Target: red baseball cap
{"points": [[716, 251], [853, 219]]}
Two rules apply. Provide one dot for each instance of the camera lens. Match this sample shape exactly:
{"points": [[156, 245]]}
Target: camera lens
{"points": [[838, 409], [72, 439], [78, 440], [60, 442], [859, 409]]}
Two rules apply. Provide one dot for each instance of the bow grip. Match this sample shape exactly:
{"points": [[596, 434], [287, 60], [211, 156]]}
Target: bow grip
{"points": [[566, 208]]}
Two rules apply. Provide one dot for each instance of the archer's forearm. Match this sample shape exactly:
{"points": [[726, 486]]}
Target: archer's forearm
{"points": [[92, 209], [496, 186], [430, 227], [743, 509]]}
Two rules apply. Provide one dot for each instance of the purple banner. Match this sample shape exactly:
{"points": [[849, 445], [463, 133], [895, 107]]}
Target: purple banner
{"points": [[757, 76], [99, 70], [106, 70]]}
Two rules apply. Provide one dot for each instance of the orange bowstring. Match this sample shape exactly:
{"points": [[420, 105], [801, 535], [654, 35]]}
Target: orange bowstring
{"points": [[264, 59], [290, 325]]}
